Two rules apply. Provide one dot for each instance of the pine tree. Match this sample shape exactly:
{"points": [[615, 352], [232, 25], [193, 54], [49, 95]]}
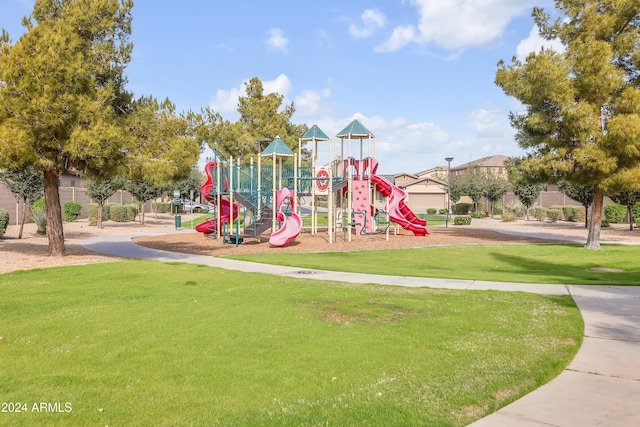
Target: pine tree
{"points": [[582, 120]]}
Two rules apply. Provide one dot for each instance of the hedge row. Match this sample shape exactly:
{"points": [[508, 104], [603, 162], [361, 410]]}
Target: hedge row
{"points": [[162, 207], [462, 220], [615, 213], [433, 211], [71, 211], [112, 211]]}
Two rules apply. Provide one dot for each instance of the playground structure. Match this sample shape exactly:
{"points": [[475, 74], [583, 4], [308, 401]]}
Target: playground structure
{"points": [[266, 196]]}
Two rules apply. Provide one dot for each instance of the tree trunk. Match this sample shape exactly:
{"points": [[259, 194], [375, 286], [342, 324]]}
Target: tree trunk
{"points": [[55, 230], [24, 217], [630, 213], [586, 217], [142, 213], [100, 207], [593, 240]]}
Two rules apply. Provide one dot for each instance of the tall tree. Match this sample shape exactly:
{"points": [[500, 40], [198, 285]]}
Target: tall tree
{"points": [[163, 146], [192, 183], [261, 116], [582, 120], [26, 185], [61, 91]]}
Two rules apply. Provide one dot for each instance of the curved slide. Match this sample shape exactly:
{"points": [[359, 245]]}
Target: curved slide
{"points": [[398, 210], [292, 225], [209, 226]]}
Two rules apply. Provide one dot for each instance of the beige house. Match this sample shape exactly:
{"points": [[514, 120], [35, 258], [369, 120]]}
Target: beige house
{"points": [[493, 165], [425, 193], [428, 188]]}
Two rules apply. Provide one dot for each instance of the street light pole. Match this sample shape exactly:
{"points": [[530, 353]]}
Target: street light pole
{"points": [[448, 160], [259, 142]]}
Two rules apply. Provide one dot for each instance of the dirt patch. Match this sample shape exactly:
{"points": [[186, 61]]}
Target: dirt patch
{"points": [[606, 270], [197, 243]]}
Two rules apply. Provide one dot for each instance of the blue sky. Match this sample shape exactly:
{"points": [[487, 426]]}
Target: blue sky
{"points": [[419, 74]]}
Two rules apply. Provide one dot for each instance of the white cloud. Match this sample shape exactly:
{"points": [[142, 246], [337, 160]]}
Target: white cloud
{"points": [[534, 42], [493, 134], [226, 101], [277, 42], [456, 24], [281, 85], [372, 20], [490, 123], [322, 38], [308, 103]]}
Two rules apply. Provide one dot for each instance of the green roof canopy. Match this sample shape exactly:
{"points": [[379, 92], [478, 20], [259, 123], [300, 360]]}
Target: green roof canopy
{"points": [[315, 133], [277, 147], [355, 129]]}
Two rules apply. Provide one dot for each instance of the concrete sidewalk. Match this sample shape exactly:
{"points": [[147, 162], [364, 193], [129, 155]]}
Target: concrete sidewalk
{"points": [[601, 386]]}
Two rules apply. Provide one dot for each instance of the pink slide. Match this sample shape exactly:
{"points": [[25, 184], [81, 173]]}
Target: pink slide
{"points": [[206, 189], [292, 225], [398, 211], [208, 227]]}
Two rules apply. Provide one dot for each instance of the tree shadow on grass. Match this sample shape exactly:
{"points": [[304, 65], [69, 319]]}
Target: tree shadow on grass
{"points": [[566, 272]]}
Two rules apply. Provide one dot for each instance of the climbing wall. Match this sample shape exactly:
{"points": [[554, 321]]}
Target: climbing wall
{"points": [[361, 202]]}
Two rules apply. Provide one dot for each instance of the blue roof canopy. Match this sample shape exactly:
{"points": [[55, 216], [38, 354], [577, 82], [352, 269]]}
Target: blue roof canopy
{"points": [[355, 129], [315, 133], [278, 147]]}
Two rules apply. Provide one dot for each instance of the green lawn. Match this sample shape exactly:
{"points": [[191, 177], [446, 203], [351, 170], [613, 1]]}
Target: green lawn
{"points": [[148, 343], [551, 263]]}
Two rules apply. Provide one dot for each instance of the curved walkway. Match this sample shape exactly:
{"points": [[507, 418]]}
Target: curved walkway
{"points": [[601, 386]]}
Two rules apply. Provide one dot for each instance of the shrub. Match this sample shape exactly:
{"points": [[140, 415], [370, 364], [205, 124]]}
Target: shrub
{"points": [[4, 221], [479, 214], [106, 211], [432, 211], [132, 212], [497, 208], [71, 211], [118, 213], [604, 223], [508, 217], [541, 213], [580, 213], [615, 213], [554, 215], [462, 220], [461, 208], [38, 204], [161, 207], [39, 217], [479, 207], [574, 213], [443, 211], [558, 208], [516, 207], [92, 213]]}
